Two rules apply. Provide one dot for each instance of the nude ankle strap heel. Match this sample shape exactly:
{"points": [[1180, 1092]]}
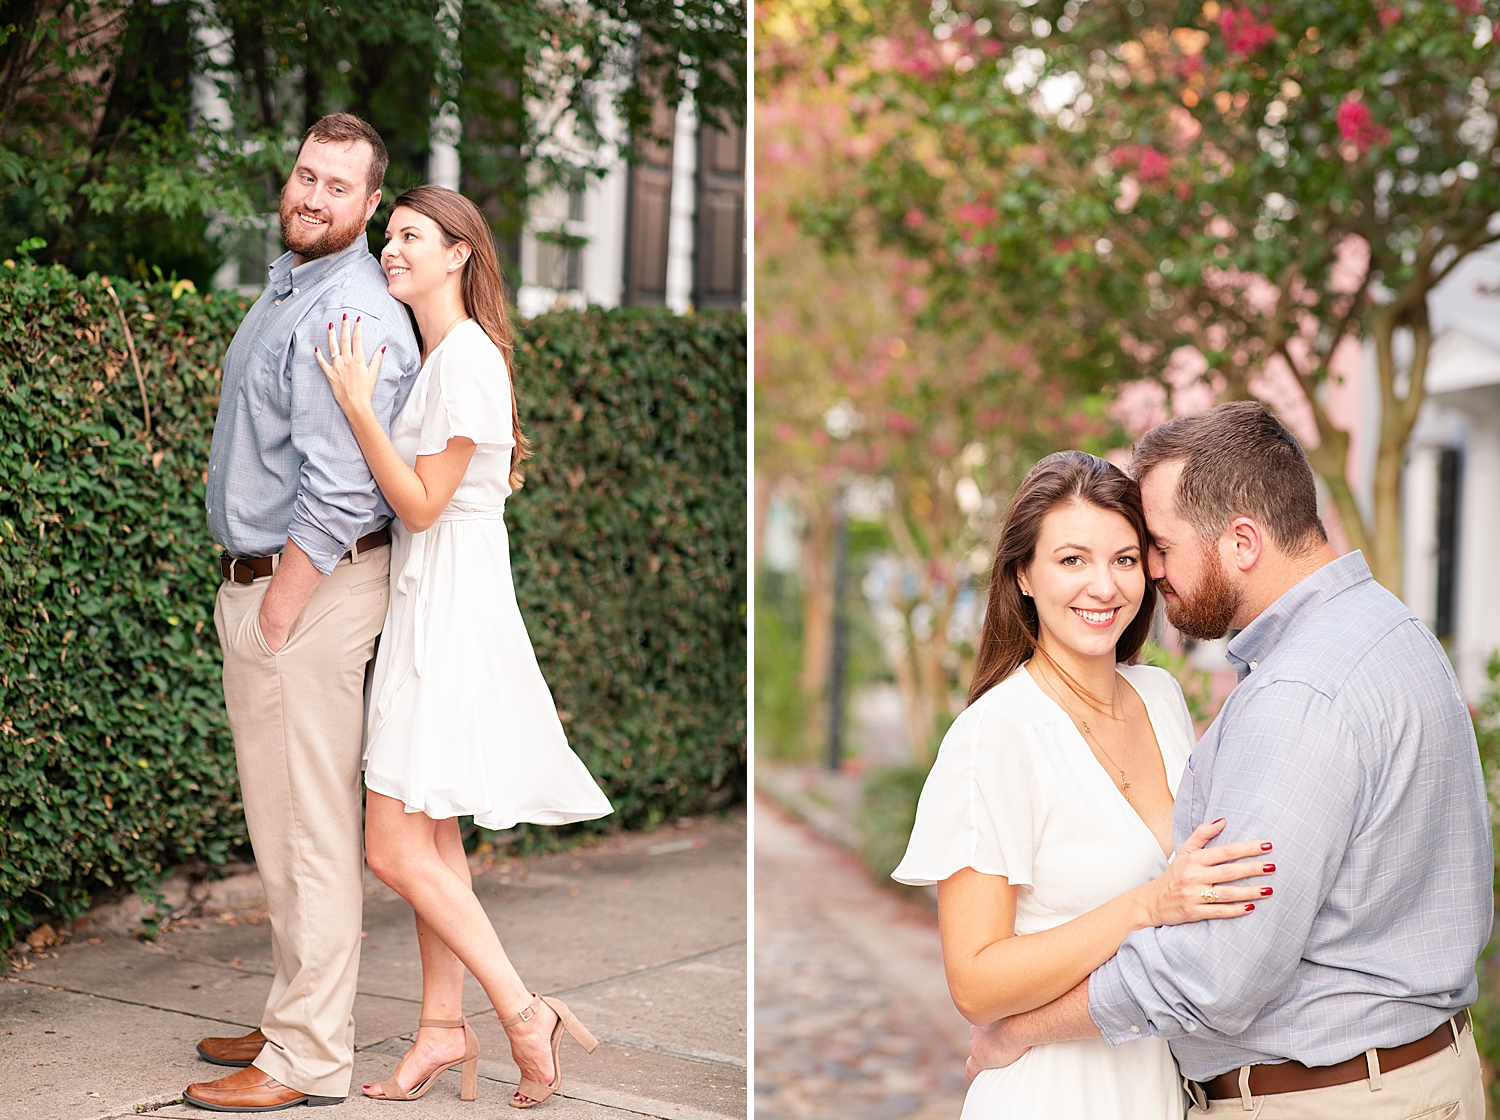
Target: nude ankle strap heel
{"points": [[566, 1021], [389, 1090]]}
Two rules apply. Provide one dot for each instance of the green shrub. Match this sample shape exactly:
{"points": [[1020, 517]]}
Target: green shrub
{"points": [[887, 813], [115, 756], [1487, 1009]]}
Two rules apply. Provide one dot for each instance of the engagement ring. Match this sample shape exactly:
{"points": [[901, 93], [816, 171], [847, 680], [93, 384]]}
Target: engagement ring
{"points": [[1210, 894]]}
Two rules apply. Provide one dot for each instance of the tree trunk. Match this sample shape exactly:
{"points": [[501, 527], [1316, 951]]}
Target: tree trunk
{"points": [[817, 615]]}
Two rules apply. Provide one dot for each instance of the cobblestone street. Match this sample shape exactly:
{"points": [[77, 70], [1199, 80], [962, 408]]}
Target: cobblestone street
{"points": [[852, 1016]]}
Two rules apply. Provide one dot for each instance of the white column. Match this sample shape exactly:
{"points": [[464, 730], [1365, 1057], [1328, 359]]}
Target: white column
{"points": [[446, 128], [680, 230], [1476, 607], [1419, 539]]}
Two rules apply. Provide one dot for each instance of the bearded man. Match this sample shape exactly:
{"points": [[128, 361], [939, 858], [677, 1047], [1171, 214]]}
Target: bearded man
{"points": [[1348, 745], [305, 570]]}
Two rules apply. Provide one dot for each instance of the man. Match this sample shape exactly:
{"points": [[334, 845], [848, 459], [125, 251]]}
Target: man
{"points": [[1348, 744], [305, 571]]}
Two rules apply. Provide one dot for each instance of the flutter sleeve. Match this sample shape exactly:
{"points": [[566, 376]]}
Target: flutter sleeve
{"points": [[977, 806], [469, 396]]}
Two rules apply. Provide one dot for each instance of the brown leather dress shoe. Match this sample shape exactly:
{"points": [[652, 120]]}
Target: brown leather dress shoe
{"points": [[249, 1090], [239, 1051]]}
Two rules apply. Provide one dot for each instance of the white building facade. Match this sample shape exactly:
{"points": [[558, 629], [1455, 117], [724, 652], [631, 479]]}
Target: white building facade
{"points": [[1451, 481]]}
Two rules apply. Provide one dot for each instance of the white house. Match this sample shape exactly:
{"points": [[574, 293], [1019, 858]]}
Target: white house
{"points": [[1451, 483], [669, 229]]}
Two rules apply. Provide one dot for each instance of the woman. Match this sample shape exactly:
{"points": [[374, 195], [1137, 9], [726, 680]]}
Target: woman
{"points": [[460, 720], [1049, 810]]}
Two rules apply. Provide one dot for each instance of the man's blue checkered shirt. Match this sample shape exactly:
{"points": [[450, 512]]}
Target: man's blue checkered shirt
{"points": [[284, 462], [1348, 745]]}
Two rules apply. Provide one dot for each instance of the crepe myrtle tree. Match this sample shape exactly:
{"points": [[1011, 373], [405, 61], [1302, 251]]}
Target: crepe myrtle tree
{"points": [[1263, 183], [928, 412]]}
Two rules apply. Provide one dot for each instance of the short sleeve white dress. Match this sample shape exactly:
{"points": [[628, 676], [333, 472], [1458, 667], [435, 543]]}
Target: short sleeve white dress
{"points": [[1015, 791], [460, 721]]}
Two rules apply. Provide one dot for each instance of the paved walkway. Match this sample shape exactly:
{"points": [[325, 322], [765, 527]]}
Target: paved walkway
{"points": [[852, 1016], [644, 935]]}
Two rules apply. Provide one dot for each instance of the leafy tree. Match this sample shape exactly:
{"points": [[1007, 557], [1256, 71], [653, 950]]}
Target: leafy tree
{"points": [[1264, 185], [103, 152], [929, 408]]}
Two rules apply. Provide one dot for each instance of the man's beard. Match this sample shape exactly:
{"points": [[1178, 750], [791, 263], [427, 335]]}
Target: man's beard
{"points": [[1205, 614], [312, 244]]}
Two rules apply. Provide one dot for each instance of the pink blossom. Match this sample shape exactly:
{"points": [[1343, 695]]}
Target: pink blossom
{"points": [[899, 423], [1388, 12], [1153, 166], [1469, 7], [975, 214], [1358, 126], [1150, 165], [1243, 36], [914, 219]]}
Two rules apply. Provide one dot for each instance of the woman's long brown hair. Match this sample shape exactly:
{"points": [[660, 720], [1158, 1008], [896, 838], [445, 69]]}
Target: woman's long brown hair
{"points": [[457, 220], [1008, 637]]}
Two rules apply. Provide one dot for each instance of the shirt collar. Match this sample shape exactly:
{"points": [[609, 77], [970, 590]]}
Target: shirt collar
{"points": [[283, 276], [1254, 643]]}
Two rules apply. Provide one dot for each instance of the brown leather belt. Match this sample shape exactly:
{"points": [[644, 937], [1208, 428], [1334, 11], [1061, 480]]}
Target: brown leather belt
{"points": [[248, 569], [1293, 1077]]}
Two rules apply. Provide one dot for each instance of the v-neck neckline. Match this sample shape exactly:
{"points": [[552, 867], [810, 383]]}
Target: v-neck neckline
{"points": [[1120, 799]]}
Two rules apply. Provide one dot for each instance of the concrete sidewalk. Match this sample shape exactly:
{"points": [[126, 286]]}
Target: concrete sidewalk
{"points": [[643, 934]]}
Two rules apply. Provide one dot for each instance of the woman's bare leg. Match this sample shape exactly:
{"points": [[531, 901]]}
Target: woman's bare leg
{"points": [[442, 979], [404, 851]]}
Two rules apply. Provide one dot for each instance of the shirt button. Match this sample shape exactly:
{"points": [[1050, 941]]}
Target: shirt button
{"points": [[296, 290], [1254, 665], [278, 303], [1135, 1030]]}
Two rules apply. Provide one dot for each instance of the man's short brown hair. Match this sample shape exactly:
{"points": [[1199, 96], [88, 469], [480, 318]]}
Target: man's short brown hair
{"points": [[1237, 461], [346, 128]]}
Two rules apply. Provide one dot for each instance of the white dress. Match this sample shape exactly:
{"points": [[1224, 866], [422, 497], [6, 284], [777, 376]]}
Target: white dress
{"points": [[459, 719], [1015, 791]]}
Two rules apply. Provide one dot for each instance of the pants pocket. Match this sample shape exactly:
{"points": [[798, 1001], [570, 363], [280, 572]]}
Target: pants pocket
{"points": [[1454, 1111]]}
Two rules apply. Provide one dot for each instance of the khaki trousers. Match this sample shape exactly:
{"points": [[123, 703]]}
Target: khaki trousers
{"points": [[1442, 1086], [297, 717]]}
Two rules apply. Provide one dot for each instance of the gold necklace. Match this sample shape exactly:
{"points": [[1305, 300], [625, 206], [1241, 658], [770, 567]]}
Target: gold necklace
{"points": [[1089, 731], [1124, 781]]}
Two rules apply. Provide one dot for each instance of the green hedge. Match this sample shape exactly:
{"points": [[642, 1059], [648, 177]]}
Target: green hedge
{"points": [[115, 757]]}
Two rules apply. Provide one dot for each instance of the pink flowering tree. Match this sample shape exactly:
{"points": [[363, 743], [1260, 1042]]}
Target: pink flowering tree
{"points": [[862, 381], [1247, 192]]}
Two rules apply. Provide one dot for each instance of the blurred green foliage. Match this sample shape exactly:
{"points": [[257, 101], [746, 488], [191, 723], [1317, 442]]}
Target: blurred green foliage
{"points": [[135, 135], [115, 757], [1487, 1010]]}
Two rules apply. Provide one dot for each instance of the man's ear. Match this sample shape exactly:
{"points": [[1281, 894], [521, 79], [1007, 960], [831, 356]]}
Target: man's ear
{"points": [[1248, 541], [370, 205]]}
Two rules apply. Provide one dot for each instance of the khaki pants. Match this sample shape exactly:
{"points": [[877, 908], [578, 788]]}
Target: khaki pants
{"points": [[1442, 1086], [297, 717]]}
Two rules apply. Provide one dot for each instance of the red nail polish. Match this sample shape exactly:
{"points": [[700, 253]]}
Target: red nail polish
{"points": [[1249, 906], [1219, 821], [346, 315], [357, 318], [382, 349], [1266, 847], [1268, 868], [315, 349], [330, 326], [1264, 891]]}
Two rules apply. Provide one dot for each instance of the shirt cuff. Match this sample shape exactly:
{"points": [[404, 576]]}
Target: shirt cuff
{"points": [[1117, 1015], [321, 549]]}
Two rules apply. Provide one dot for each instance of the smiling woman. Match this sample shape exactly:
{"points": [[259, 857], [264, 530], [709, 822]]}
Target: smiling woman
{"points": [[1049, 809]]}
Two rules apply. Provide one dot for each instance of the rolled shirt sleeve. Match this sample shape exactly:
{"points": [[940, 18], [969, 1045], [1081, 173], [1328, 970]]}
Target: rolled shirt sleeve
{"points": [[1287, 769], [336, 495]]}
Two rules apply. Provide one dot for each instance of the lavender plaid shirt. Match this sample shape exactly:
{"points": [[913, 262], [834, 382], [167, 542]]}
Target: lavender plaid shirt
{"points": [[1348, 744], [284, 462]]}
